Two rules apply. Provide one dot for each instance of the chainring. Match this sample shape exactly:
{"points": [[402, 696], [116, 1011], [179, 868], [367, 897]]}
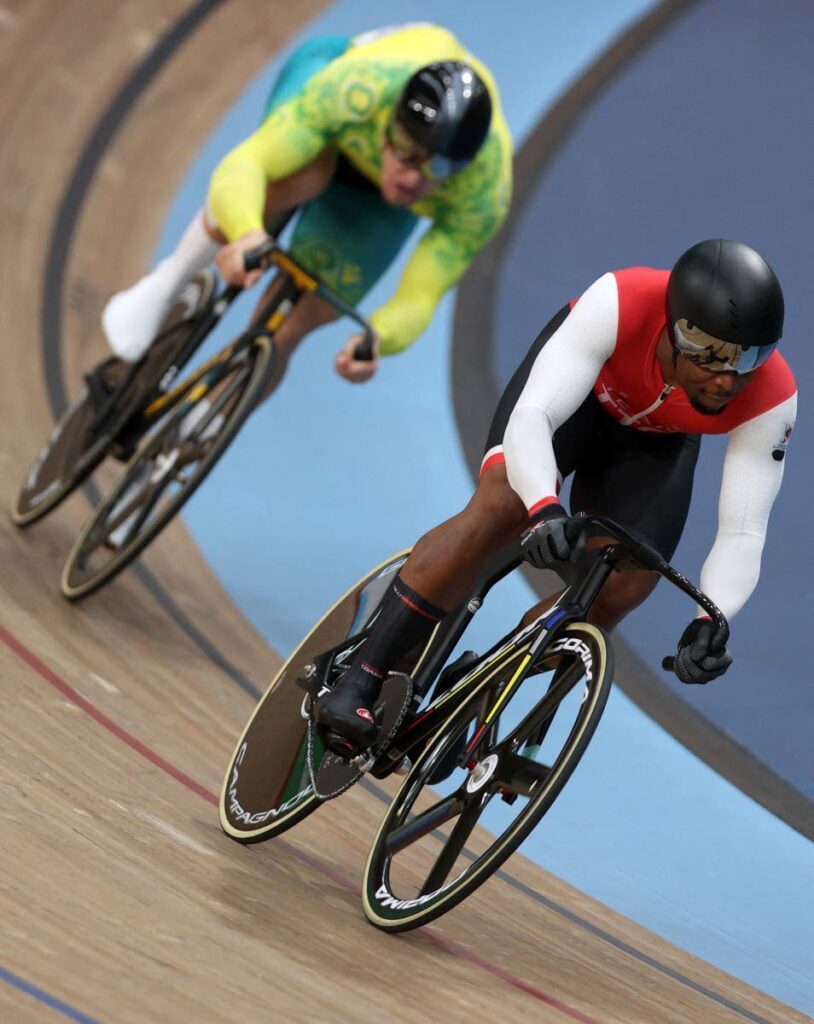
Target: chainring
{"points": [[332, 775]]}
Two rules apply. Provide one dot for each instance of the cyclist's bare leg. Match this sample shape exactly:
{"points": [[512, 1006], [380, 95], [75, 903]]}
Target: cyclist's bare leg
{"points": [[438, 574], [445, 563], [311, 312]]}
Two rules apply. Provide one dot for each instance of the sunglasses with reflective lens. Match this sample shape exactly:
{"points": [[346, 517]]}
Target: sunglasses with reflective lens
{"points": [[433, 166], [716, 355]]}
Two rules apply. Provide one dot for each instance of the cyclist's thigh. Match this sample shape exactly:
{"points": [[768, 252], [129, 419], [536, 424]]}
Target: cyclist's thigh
{"points": [[349, 236], [642, 480]]}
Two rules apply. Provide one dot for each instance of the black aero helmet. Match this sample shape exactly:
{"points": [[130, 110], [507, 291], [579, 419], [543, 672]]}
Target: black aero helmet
{"points": [[446, 108], [728, 291]]}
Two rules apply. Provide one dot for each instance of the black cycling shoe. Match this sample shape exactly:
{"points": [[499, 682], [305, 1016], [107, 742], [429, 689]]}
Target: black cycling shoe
{"points": [[104, 379], [347, 711]]}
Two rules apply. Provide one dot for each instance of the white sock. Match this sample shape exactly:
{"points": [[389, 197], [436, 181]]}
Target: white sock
{"points": [[132, 318], [195, 250]]}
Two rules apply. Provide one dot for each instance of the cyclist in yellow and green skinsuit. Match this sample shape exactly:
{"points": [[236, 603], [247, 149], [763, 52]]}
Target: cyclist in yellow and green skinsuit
{"points": [[366, 135]]}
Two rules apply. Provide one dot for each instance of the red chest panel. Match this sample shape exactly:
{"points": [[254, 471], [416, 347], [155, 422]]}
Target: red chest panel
{"points": [[631, 387]]}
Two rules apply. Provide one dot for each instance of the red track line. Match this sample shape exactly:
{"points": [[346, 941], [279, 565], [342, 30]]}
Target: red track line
{"points": [[450, 945]]}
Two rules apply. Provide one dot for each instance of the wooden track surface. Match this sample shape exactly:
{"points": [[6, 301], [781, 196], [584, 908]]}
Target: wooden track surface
{"points": [[119, 894]]}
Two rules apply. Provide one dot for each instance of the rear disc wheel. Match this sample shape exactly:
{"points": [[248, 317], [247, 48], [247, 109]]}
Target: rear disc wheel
{"points": [[67, 458], [267, 787]]}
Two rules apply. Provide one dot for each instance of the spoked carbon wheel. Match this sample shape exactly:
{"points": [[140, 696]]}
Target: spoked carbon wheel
{"points": [[267, 786], [438, 843], [172, 461], [70, 454]]}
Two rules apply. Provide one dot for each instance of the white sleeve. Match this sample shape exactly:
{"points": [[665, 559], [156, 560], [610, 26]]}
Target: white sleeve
{"points": [[560, 379], [752, 474]]}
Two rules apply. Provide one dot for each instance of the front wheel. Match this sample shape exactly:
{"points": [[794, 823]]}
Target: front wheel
{"points": [[428, 854], [173, 460]]}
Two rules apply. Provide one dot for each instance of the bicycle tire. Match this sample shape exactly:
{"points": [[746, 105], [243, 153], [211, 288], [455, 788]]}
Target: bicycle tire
{"points": [[277, 731], [193, 302], [73, 585], [29, 510], [387, 911]]}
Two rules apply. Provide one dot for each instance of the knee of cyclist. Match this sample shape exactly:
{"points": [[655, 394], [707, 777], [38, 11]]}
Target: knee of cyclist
{"points": [[306, 318], [621, 595], [285, 341], [497, 512]]}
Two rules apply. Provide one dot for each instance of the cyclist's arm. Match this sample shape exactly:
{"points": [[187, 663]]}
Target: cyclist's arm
{"points": [[438, 262], [751, 481], [561, 378], [292, 137]]}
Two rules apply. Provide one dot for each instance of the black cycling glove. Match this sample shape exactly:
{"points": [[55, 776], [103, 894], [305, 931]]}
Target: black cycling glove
{"points": [[702, 654], [552, 538]]}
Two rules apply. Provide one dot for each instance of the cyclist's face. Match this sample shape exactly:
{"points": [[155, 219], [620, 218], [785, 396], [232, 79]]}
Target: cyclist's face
{"points": [[709, 391], [402, 181]]}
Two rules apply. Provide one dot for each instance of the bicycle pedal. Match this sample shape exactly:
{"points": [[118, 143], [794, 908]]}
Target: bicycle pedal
{"points": [[309, 681], [342, 747], [363, 762]]}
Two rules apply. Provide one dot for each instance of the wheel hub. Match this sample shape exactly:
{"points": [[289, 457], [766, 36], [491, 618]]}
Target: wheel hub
{"points": [[481, 773]]}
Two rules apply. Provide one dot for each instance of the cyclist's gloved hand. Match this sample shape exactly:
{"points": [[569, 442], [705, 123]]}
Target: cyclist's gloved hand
{"points": [[552, 538], [702, 654]]}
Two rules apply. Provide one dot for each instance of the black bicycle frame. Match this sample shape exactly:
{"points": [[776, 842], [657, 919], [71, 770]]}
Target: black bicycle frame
{"points": [[527, 644], [295, 281]]}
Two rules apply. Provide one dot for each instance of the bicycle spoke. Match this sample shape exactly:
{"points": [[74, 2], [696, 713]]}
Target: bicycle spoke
{"points": [[422, 824], [418, 870], [541, 716], [167, 470], [226, 395], [140, 504], [456, 842]]}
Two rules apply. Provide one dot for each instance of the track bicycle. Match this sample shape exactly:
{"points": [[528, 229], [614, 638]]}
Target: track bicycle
{"points": [[170, 432], [493, 736]]}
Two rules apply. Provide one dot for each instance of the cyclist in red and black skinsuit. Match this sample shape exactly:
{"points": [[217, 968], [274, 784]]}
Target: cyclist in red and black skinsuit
{"points": [[617, 390]]}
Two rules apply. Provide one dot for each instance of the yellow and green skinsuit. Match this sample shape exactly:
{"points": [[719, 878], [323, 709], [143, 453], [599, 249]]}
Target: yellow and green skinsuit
{"points": [[347, 104]]}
